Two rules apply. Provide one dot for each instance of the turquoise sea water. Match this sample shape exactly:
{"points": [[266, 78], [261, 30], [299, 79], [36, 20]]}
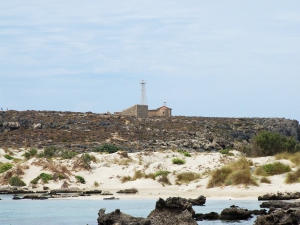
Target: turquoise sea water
{"points": [[81, 212]]}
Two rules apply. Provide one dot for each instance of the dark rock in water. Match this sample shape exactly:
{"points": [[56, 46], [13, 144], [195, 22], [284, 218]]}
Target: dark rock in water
{"points": [[35, 197], [206, 216], [16, 197], [171, 211], [117, 217], [198, 201], [111, 198], [259, 212], [128, 191], [279, 204], [280, 217], [280, 196], [235, 213], [93, 192]]}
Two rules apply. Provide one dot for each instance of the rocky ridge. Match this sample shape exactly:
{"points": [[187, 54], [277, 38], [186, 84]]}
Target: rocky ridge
{"points": [[82, 132]]}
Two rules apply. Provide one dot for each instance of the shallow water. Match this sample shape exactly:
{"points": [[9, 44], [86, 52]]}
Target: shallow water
{"points": [[81, 212]]}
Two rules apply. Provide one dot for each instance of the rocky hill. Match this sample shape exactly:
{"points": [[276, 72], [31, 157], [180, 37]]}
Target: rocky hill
{"points": [[82, 132]]}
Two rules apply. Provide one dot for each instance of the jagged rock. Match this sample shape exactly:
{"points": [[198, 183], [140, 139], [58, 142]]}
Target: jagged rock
{"points": [[128, 191], [280, 217], [172, 211], [206, 216], [235, 213], [119, 218], [198, 201], [279, 204], [280, 196]]}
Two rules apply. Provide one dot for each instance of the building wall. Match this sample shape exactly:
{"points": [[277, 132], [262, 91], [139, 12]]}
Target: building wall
{"points": [[136, 110], [160, 112]]}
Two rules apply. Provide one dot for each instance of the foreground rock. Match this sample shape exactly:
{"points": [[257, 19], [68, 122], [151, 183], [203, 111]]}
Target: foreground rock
{"points": [[172, 211], [235, 213], [280, 196], [280, 204], [280, 217]]}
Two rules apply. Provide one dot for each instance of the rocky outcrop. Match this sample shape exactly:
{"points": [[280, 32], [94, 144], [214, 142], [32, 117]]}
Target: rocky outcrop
{"points": [[128, 191], [279, 196], [235, 213], [198, 201], [280, 204], [172, 211], [280, 217]]}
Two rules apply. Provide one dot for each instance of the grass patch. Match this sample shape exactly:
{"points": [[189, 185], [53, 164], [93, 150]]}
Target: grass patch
{"points": [[265, 180], [178, 161], [161, 173], [185, 153], [293, 177], [272, 169], [16, 181], [44, 176], [80, 179], [5, 167], [48, 152], [186, 177], [226, 151], [235, 173], [67, 154]]}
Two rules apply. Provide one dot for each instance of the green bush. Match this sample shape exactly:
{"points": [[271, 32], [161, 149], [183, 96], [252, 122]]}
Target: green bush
{"points": [[272, 169], [31, 153], [186, 154], [48, 152], [5, 167], [268, 143], [8, 157], [80, 179], [66, 154], [178, 161], [161, 173], [16, 181], [44, 176], [110, 148]]}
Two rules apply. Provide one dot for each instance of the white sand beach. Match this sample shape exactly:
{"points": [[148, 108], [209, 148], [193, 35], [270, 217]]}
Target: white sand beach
{"points": [[107, 171]]}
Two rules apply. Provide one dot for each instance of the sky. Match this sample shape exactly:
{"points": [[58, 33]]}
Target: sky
{"points": [[217, 58]]}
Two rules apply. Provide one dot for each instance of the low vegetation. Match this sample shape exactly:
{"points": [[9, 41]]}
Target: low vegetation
{"points": [[178, 161], [226, 151], [16, 181], [163, 179], [185, 153], [44, 176], [109, 148], [138, 174], [272, 169], [186, 177], [80, 179], [161, 173], [235, 173], [48, 152], [67, 154], [8, 157], [5, 167], [31, 153], [293, 177]]}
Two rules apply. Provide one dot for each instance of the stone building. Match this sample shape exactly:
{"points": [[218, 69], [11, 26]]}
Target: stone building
{"points": [[142, 111], [163, 111]]}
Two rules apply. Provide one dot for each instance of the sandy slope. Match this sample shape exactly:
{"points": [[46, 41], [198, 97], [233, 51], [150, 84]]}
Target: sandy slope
{"points": [[110, 168]]}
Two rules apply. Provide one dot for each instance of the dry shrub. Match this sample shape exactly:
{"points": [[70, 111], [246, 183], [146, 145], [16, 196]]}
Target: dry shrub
{"points": [[294, 158], [265, 180], [125, 179], [235, 173], [124, 162], [293, 177], [186, 177], [123, 154], [5, 177], [164, 180]]}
